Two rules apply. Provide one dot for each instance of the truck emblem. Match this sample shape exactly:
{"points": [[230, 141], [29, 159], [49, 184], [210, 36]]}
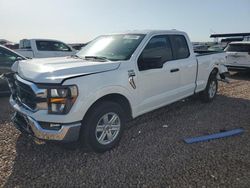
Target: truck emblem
{"points": [[131, 74]]}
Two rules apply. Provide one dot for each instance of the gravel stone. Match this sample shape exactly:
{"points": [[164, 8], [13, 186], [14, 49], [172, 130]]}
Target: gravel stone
{"points": [[149, 154]]}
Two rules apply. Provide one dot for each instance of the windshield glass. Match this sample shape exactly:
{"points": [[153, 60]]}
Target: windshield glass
{"points": [[112, 47], [238, 48]]}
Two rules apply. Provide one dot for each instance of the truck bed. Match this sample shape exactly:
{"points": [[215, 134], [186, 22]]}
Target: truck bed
{"points": [[205, 60], [206, 52], [28, 53]]}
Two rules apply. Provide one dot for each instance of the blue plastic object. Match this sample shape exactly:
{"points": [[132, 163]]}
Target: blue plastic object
{"points": [[214, 136]]}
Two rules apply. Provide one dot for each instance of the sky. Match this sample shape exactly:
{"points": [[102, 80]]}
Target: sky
{"points": [[82, 20]]}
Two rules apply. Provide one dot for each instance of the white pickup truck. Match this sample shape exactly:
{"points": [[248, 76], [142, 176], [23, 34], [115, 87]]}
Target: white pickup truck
{"points": [[90, 96], [44, 48]]}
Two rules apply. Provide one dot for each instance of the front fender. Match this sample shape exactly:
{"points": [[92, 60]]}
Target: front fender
{"points": [[89, 100]]}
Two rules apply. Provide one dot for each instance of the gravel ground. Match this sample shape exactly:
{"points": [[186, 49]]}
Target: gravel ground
{"points": [[149, 155]]}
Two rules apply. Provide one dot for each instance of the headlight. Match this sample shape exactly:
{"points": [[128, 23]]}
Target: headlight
{"points": [[59, 99]]}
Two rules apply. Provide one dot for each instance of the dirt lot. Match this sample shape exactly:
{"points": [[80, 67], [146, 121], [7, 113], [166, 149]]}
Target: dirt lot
{"points": [[149, 154]]}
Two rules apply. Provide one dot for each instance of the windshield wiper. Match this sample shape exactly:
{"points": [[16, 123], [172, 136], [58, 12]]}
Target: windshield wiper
{"points": [[97, 57], [76, 56]]}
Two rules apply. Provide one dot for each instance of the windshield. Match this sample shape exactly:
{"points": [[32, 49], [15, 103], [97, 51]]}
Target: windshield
{"points": [[112, 47], [238, 48]]}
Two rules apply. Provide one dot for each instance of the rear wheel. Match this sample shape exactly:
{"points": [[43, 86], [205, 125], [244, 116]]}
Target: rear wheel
{"points": [[211, 89], [103, 126]]}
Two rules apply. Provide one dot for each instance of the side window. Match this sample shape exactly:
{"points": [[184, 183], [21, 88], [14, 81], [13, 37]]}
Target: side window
{"points": [[51, 46], [7, 56], [156, 53], [43, 45], [238, 48], [58, 46], [179, 46]]}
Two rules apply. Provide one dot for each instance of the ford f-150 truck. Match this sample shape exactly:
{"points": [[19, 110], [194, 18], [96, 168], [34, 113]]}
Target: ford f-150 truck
{"points": [[44, 48], [88, 97]]}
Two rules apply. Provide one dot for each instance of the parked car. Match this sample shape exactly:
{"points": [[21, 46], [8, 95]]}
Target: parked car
{"points": [[7, 58], [89, 96], [44, 48], [238, 55]]}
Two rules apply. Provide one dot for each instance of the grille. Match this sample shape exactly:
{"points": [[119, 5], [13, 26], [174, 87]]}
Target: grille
{"points": [[22, 93], [25, 95]]}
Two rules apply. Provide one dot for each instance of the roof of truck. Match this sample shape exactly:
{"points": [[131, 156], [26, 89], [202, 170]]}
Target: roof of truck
{"points": [[41, 39], [149, 32]]}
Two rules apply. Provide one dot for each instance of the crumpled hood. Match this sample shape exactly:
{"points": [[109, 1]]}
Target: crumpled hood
{"points": [[55, 70]]}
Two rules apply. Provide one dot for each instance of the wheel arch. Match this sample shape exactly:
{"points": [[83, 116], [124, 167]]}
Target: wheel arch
{"points": [[113, 97], [213, 70]]}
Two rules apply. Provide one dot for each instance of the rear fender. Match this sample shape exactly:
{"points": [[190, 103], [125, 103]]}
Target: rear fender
{"points": [[222, 73]]}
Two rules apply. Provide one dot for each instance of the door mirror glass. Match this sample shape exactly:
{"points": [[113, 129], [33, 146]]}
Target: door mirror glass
{"points": [[153, 62]]}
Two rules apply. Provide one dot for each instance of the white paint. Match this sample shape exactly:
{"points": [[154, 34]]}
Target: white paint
{"points": [[154, 88]]}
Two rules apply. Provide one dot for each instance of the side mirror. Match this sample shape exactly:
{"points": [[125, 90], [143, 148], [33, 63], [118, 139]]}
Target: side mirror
{"points": [[153, 62], [19, 59]]}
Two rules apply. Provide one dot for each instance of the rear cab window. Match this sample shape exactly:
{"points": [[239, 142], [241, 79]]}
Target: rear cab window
{"points": [[179, 46]]}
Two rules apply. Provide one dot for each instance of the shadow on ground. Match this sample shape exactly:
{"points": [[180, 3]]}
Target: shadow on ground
{"points": [[243, 75]]}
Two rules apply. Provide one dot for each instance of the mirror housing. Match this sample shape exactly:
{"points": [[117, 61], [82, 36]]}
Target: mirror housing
{"points": [[150, 62], [19, 58]]}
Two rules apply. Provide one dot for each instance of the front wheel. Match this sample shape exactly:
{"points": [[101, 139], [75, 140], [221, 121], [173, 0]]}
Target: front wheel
{"points": [[211, 89], [103, 126]]}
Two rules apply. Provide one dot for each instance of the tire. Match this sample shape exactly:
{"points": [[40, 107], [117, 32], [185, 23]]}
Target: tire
{"points": [[98, 132], [210, 91]]}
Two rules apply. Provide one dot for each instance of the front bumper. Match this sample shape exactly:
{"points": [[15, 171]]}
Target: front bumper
{"points": [[25, 123]]}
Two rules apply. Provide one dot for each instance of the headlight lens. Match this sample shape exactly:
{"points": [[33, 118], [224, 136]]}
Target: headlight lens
{"points": [[59, 99]]}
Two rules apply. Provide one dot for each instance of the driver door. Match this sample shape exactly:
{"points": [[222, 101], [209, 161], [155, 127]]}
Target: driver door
{"points": [[159, 76]]}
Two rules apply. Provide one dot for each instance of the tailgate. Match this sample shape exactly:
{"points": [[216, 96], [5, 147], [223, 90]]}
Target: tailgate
{"points": [[238, 58]]}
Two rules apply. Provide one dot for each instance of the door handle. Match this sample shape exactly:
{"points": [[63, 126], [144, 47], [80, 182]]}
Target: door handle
{"points": [[174, 70]]}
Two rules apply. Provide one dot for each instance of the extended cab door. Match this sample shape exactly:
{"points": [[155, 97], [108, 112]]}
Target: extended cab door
{"points": [[183, 56], [158, 76]]}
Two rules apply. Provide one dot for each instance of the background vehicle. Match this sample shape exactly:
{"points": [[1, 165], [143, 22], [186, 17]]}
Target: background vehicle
{"points": [[217, 47], [90, 96], [43, 48], [238, 55], [7, 58], [77, 46]]}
